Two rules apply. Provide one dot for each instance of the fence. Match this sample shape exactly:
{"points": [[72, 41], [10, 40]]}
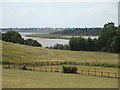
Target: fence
{"points": [[53, 69]]}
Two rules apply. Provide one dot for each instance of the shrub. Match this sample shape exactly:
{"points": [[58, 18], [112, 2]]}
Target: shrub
{"points": [[23, 67], [69, 69]]}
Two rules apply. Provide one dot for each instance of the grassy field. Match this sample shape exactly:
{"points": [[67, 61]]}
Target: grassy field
{"points": [[29, 79], [22, 53]]}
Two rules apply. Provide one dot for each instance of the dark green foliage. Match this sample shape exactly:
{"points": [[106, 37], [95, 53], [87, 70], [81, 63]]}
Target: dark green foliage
{"points": [[90, 44], [60, 46], [108, 41], [15, 37], [32, 42], [77, 43], [80, 31], [69, 69], [12, 36]]}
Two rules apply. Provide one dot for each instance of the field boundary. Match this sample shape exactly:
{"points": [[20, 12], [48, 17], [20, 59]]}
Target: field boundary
{"points": [[61, 62], [53, 69]]}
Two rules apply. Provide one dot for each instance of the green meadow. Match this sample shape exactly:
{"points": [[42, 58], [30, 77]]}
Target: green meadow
{"points": [[14, 78], [22, 53], [29, 79]]}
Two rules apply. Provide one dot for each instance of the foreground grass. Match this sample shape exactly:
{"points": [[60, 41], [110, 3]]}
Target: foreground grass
{"points": [[22, 53], [28, 79]]}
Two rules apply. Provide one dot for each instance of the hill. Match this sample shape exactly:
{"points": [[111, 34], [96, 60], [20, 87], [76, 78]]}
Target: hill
{"points": [[22, 53]]}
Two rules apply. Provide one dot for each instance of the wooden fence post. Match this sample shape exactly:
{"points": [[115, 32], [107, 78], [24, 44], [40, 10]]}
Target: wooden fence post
{"points": [[115, 75], [57, 69], [40, 68], [88, 72], [82, 72], [14, 66], [9, 66], [51, 69], [94, 73], [34, 67], [101, 74], [108, 74]]}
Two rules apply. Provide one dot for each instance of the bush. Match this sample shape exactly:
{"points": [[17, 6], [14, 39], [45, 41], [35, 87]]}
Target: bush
{"points": [[32, 42], [23, 67], [69, 69]]}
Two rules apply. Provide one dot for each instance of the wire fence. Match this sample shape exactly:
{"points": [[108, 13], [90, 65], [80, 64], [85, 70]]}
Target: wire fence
{"points": [[54, 69]]}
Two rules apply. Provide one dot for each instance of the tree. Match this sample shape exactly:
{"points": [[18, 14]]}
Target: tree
{"points": [[15, 37], [12, 36], [32, 42], [106, 37], [77, 43], [90, 44]]}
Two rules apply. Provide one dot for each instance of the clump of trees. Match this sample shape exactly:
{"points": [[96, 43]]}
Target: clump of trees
{"points": [[60, 46], [15, 37], [109, 41], [80, 31]]}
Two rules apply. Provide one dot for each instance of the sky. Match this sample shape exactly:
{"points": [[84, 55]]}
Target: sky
{"points": [[58, 14]]}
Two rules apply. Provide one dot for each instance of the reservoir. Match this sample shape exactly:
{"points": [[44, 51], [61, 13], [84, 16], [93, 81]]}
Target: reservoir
{"points": [[46, 42]]}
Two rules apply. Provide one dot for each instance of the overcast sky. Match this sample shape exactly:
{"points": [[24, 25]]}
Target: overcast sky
{"points": [[58, 14]]}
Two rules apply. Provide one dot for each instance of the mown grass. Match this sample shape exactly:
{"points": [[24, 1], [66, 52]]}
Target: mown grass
{"points": [[29, 79], [22, 53]]}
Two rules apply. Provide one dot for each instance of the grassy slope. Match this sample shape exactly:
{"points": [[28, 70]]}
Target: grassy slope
{"points": [[29, 79], [23, 53]]}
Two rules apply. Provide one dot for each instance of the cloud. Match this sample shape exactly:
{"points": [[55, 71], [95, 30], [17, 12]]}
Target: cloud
{"points": [[58, 14]]}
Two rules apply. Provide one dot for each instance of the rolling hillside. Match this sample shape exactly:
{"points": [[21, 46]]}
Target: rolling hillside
{"points": [[22, 53]]}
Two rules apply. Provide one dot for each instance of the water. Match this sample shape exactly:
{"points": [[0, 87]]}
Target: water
{"points": [[44, 41]]}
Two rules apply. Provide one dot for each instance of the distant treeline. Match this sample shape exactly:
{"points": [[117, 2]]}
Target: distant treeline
{"points": [[108, 41], [14, 29], [80, 31], [15, 37]]}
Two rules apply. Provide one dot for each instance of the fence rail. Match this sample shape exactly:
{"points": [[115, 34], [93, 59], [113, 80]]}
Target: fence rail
{"points": [[53, 69]]}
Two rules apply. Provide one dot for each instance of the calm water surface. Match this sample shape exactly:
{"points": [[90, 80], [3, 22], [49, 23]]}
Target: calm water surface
{"points": [[45, 41]]}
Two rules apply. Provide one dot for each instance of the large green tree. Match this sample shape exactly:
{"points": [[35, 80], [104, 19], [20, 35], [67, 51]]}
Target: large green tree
{"points": [[12, 36], [77, 43], [15, 37], [106, 38]]}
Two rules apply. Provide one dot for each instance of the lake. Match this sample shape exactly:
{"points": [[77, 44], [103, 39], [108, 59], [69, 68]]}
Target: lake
{"points": [[46, 42]]}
